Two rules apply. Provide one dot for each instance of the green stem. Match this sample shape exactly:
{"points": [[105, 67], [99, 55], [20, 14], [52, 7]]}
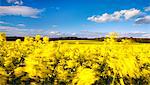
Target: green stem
{"points": [[113, 81]]}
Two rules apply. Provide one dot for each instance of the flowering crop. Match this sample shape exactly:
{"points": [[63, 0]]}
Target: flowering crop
{"points": [[44, 62]]}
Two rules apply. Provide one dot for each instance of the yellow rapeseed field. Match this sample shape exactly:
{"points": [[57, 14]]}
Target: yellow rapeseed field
{"points": [[44, 62]]}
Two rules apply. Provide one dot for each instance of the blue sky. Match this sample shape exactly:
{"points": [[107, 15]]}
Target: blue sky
{"points": [[75, 17]]}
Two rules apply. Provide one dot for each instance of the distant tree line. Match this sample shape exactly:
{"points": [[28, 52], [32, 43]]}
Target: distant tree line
{"points": [[140, 40]]}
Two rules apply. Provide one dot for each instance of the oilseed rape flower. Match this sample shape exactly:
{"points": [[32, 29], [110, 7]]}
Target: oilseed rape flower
{"points": [[2, 37], [38, 61], [85, 76]]}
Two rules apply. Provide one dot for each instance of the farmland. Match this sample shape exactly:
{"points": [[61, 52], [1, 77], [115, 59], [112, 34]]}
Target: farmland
{"points": [[74, 62]]}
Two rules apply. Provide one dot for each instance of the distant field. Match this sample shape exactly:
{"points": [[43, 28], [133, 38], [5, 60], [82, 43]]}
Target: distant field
{"points": [[80, 41], [90, 42], [75, 41]]}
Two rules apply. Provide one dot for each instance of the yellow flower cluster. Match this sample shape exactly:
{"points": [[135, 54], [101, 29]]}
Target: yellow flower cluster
{"points": [[42, 62]]}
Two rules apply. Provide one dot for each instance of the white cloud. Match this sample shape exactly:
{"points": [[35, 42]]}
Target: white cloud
{"points": [[16, 31], [8, 28], [104, 18], [143, 20], [135, 32], [147, 8], [16, 2], [24, 11], [54, 33], [10, 24], [146, 35], [73, 34], [116, 16], [2, 22], [130, 13], [21, 25]]}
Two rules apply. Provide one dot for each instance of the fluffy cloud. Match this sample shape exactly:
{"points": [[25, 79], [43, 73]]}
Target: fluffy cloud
{"points": [[16, 2], [130, 13], [147, 8], [104, 18], [143, 20], [19, 11], [116, 16]]}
